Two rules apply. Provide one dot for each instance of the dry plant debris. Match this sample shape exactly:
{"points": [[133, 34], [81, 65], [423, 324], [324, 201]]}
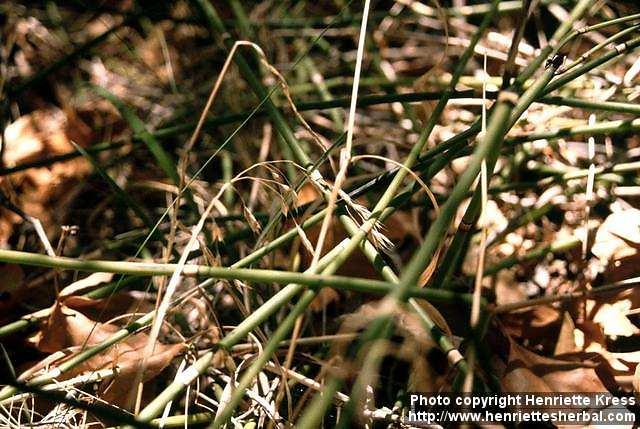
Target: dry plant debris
{"points": [[272, 214]]}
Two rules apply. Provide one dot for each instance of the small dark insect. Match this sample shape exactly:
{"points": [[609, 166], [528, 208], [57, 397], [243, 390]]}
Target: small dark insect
{"points": [[556, 61]]}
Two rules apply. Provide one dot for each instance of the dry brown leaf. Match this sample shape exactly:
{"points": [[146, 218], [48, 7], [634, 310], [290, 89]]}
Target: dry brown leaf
{"points": [[540, 325], [307, 194], [617, 242], [69, 329], [566, 339], [42, 133], [590, 337], [622, 362], [325, 297], [568, 373], [151, 52], [100, 310], [103, 310], [7, 220], [581, 372], [508, 290], [636, 380], [118, 389], [85, 284], [401, 225], [66, 327], [590, 333]]}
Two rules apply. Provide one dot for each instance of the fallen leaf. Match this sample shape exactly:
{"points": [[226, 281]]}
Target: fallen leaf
{"points": [[617, 242], [590, 337], [579, 372], [103, 309], [45, 131], [85, 284], [325, 297], [508, 290], [621, 362], [566, 339], [71, 330], [128, 362], [636, 380], [307, 194], [540, 325], [41, 191], [66, 327]]}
